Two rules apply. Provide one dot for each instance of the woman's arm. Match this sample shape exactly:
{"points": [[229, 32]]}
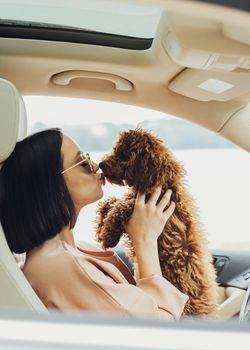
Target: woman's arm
{"points": [[152, 296], [147, 259], [144, 228]]}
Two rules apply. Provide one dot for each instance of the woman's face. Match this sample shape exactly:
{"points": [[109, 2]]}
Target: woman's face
{"points": [[85, 187]]}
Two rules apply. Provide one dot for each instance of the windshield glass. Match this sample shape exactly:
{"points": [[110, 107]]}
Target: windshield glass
{"points": [[217, 171]]}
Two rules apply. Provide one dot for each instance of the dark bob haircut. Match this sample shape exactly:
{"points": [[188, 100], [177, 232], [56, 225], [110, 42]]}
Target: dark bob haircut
{"points": [[35, 203]]}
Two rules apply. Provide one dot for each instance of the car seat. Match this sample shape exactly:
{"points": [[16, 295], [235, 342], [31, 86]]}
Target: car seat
{"points": [[16, 292]]}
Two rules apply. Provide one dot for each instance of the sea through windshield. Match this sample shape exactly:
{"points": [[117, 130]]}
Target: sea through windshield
{"points": [[217, 171]]}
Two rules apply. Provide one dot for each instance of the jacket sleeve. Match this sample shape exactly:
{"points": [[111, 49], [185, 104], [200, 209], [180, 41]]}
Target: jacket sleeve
{"points": [[90, 289], [166, 295]]}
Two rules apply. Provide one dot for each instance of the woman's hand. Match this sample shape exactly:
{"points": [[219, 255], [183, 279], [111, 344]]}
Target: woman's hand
{"points": [[148, 219]]}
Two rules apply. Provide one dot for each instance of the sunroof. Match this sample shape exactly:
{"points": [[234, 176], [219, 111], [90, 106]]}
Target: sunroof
{"points": [[104, 16]]}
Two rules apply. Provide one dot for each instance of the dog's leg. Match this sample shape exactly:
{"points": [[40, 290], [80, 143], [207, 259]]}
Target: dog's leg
{"points": [[113, 226], [102, 211]]}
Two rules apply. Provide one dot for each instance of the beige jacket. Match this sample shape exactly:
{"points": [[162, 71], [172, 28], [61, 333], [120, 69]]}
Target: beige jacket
{"points": [[85, 278]]}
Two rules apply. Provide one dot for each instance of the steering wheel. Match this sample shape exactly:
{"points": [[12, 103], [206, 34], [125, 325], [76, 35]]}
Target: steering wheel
{"points": [[245, 308]]}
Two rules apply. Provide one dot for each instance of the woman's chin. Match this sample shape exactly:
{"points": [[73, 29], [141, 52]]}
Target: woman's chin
{"points": [[100, 194]]}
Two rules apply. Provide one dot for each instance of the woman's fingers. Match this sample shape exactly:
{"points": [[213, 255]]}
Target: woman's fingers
{"points": [[154, 196], [168, 212], [165, 200], [140, 198], [149, 219]]}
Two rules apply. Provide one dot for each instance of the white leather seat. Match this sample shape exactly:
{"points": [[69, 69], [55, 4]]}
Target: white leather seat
{"points": [[15, 292]]}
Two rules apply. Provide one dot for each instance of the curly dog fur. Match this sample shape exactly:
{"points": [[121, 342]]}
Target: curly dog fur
{"points": [[141, 161]]}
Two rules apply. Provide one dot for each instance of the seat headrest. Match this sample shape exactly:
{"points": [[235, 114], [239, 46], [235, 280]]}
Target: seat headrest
{"points": [[13, 118], [16, 292]]}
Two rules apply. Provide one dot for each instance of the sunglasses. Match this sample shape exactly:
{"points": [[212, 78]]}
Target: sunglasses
{"points": [[85, 162]]}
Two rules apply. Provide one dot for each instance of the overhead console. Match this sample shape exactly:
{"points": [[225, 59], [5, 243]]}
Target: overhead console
{"points": [[217, 67]]}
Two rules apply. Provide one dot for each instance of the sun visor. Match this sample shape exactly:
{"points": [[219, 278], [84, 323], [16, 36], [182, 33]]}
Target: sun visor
{"points": [[204, 85]]}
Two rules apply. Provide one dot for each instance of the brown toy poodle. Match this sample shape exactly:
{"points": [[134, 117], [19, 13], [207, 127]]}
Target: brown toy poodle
{"points": [[142, 161]]}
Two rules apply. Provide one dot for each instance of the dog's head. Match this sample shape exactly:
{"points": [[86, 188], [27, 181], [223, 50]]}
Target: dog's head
{"points": [[140, 160]]}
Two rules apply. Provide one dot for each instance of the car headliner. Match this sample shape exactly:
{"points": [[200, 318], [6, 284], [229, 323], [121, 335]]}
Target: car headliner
{"points": [[151, 76]]}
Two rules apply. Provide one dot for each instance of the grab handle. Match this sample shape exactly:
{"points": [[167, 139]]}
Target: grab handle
{"points": [[64, 78]]}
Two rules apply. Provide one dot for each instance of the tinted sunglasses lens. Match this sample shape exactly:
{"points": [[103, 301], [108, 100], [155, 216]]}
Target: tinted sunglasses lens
{"points": [[85, 163]]}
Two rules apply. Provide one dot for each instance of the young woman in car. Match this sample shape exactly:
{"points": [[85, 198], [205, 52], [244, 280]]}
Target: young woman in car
{"points": [[45, 183]]}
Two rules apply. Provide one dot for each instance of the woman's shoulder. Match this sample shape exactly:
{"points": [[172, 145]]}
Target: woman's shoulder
{"points": [[51, 252], [56, 255]]}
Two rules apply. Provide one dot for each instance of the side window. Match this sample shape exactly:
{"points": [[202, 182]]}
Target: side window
{"points": [[217, 171]]}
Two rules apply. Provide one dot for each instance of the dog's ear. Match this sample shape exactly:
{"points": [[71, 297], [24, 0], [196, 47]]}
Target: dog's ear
{"points": [[154, 164], [149, 170]]}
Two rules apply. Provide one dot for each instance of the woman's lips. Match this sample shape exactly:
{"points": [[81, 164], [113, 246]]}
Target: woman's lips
{"points": [[114, 181], [102, 179]]}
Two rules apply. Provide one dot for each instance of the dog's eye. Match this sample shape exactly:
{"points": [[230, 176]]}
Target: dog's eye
{"points": [[123, 155]]}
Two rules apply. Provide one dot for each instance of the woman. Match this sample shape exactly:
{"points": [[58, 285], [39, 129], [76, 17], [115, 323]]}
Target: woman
{"points": [[45, 183]]}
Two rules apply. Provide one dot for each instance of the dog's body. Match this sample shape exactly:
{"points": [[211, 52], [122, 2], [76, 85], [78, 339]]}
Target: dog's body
{"points": [[142, 161]]}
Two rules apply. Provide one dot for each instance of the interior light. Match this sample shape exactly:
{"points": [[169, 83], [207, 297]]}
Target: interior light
{"points": [[215, 86]]}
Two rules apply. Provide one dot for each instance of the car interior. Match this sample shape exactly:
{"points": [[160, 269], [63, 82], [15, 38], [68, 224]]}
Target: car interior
{"points": [[194, 65]]}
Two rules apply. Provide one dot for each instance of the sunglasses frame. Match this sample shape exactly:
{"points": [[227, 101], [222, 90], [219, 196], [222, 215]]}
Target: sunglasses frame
{"points": [[85, 158]]}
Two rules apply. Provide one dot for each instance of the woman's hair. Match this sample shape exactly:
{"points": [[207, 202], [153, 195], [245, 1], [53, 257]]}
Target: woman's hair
{"points": [[35, 203]]}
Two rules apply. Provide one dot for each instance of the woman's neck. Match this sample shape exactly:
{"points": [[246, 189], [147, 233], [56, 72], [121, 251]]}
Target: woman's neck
{"points": [[67, 236]]}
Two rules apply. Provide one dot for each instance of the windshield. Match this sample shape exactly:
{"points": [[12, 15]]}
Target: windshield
{"points": [[217, 171]]}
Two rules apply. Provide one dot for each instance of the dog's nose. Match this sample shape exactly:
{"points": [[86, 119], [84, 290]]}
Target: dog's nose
{"points": [[102, 165]]}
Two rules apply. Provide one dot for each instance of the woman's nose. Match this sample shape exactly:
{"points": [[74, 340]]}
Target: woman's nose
{"points": [[96, 167]]}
